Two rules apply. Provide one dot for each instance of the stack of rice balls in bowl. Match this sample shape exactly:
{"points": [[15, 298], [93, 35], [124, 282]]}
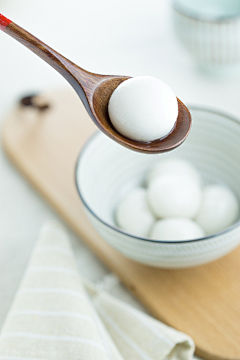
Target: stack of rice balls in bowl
{"points": [[174, 205]]}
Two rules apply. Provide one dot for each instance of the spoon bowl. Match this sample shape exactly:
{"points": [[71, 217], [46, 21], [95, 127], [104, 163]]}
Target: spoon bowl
{"points": [[176, 137], [95, 90]]}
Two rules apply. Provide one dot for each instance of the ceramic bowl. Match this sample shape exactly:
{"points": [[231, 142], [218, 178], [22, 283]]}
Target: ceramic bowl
{"points": [[106, 171], [209, 29]]}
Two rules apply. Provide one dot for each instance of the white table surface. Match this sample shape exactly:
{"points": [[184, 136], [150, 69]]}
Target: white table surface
{"points": [[127, 37]]}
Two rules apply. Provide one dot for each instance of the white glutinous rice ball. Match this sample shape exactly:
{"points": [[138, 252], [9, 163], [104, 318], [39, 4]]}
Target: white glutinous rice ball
{"points": [[175, 166], [220, 208], [177, 229], [174, 196], [133, 213], [143, 108]]}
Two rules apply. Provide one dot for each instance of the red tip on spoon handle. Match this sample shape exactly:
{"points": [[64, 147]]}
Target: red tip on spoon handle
{"points": [[4, 22]]}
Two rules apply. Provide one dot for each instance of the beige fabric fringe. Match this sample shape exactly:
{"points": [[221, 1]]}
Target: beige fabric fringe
{"points": [[58, 315]]}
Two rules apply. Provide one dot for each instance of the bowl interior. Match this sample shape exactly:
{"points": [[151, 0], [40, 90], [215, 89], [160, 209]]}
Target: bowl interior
{"points": [[106, 171]]}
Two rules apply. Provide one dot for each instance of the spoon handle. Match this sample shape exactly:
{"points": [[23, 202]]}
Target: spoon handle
{"points": [[57, 61], [81, 80]]}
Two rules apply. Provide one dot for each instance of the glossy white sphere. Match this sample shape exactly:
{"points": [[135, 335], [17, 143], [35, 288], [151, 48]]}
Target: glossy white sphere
{"points": [[171, 196], [176, 229], [133, 213], [220, 208], [175, 166], [143, 108]]}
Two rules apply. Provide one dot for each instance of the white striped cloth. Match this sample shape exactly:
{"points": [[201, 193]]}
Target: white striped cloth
{"points": [[57, 315]]}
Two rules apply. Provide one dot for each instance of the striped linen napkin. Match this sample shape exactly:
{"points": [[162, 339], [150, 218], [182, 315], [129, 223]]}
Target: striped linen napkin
{"points": [[58, 315]]}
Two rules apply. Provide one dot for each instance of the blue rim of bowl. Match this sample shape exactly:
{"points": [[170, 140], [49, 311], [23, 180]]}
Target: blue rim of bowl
{"points": [[207, 18], [119, 230]]}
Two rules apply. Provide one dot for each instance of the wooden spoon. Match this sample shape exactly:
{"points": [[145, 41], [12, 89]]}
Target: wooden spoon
{"points": [[95, 90]]}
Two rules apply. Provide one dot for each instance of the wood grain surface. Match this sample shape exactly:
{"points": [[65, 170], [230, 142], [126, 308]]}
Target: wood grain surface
{"points": [[203, 301]]}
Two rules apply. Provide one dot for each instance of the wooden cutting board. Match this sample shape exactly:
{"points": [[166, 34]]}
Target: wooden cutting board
{"points": [[204, 301]]}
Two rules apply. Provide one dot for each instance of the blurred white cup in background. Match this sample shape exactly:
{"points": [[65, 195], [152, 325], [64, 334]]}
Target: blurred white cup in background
{"points": [[209, 29]]}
